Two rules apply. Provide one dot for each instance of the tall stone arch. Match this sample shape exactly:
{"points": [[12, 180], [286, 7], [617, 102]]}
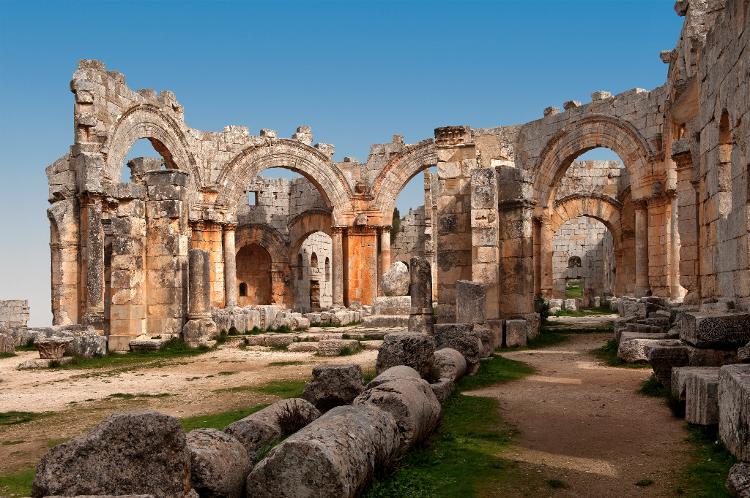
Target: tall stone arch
{"points": [[273, 242]]}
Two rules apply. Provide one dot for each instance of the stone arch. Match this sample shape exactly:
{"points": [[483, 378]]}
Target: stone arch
{"points": [[397, 172], [164, 133], [583, 135], [306, 223], [273, 242], [287, 154]]}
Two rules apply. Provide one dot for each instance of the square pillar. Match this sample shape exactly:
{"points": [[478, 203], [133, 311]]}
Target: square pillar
{"points": [[361, 259]]}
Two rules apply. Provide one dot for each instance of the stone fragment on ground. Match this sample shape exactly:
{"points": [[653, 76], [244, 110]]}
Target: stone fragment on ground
{"points": [[411, 349], [333, 385], [219, 464]]}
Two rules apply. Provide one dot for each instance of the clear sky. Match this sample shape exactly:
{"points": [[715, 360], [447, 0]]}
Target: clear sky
{"points": [[357, 72]]}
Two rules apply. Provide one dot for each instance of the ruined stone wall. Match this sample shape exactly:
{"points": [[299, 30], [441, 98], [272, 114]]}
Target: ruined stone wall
{"points": [[607, 178], [14, 313], [410, 239], [314, 273]]}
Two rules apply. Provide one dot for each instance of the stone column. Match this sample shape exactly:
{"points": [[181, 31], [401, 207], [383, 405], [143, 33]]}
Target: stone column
{"points": [[198, 286], [421, 319], [230, 266], [544, 253], [687, 222], [337, 265], [207, 235], [92, 238], [384, 257], [642, 287], [64, 244], [484, 240]]}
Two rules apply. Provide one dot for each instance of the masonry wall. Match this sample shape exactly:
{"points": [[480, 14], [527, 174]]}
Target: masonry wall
{"points": [[410, 240], [312, 275], [13, 313]]}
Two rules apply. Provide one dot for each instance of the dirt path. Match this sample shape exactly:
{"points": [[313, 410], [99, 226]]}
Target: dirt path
{"points": [[583, 423]]}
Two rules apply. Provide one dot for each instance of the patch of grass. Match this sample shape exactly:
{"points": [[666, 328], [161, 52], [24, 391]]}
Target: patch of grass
{"points": [[17, 483], [7, 355], [707, 471], [652, 387], [285, 363], [174, 348], [347, 351], [12, 442], [282, 388], [547, 339], [138, 395], [463, 458], [226, 372], [14, 418], [218, 420], [368, 375], [494, 371], [644, 482], [608, 355], [556, 484], [601, 310]]}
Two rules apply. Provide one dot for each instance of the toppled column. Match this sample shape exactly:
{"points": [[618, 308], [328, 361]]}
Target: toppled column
{"points": [[421, 319], [200, 327]]}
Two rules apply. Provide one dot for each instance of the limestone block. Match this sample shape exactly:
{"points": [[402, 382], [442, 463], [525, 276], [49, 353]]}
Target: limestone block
{"points": [[471, 300], [555, 305], [280, 419], [571, 304], [515, 333], [391, 305], [411, 402], [394, 373], [664, 356], [396, 280], [484, 333], [702, 396], [337, 347], [738, 480], [199, 332], [421, 323], [304, 346], [449, 364], [679, 380], [632, 347], [128, 453], [337, 455], [533, 325], [442, 389], [715, 330], [7, 343], [219, 464], [333, 385], [410, 349], [386, 321], [461, 337], [734, 409], [52, 348]]}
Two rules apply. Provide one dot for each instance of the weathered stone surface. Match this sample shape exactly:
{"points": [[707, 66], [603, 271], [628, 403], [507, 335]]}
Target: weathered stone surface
{"points": [[484, 333], [533, 325], [413, 350], [663, 357], [52, 348], [715, 330], [460, 336], [633, 345], [88, 346], [411, 402], [199, 332], [743, 353], [449, 364], [337, 347], [679, 380], [471, 298], [420, 273], [219, 464], [336, 455], [396, 280], [442, 388], [386, 321], [515, 333], [393, 373], [734, 409], [280, 419], [7, 343], [738, 480], [36, 363], [128, 453], [391, 305], [702, 396], [333, 385]]}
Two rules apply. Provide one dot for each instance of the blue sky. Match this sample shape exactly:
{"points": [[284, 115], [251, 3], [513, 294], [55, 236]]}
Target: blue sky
{"points": [[357, 72]]}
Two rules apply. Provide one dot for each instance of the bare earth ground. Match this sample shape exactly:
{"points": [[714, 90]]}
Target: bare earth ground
{"points": [[584, 424], [80, 398]]}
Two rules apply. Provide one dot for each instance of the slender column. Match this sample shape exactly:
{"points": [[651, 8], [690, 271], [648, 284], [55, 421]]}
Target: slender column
{"points": [[545, 253], [199, 285], [385, 255], [93, 255], [337, 265], [641, 249], [230, 266]]}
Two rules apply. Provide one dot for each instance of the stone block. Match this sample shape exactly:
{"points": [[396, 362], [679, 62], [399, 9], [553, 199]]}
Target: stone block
{"points": [[664, 357], [219, 464], [393, 373], [734, 409], [632, 347], [471, 300], [337, 347], [571, 304], [738, 480], [7, 343], [392, 305], [679, 379], [199, 332], [702, 396], [533, 325], [386, 321], [333, 385], [410, 349], [461, 337], [715, 330], [515, 333]]}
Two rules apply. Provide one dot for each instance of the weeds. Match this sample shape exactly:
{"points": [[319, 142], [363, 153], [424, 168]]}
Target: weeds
{"points": [[14, 417]]}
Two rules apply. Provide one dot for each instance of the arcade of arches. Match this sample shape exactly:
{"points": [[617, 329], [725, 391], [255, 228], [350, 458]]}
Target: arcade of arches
{"points": [[672, 217]]}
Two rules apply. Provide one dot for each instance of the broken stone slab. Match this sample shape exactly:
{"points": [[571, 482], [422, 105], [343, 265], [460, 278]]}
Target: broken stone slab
{"points": [[88, 346], [442, 389], [36, 363], [461, 337], [199, 332], [447, 363], [303, 347], [219, 464], [515, 333], [337, 347], [373, 345], [620, 325], [336, 455], [144, 345], [393, 373], [571, 304], [7, 343], [282, 418], [128, 453], [411, 402], [632, 348], [410, 349], [471, 301], [533, 325], [395, 280], [391, 305], [665, 356], [52, 348], [702, 396], [679, 378], [715, 330], [387, 321], [333, 385], [734, 409], [738, 480], [484, 333]]}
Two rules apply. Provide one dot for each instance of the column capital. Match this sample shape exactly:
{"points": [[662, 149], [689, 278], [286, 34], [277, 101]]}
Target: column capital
{"points": [[230, 227], [640, 204]]}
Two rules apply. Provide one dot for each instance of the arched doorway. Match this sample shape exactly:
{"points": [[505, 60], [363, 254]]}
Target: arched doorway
{"points": [[253, 275]]}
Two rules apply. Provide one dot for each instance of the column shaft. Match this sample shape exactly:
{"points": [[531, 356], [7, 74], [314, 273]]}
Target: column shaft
{"points": [[337, 265], [641, 250], [230, 267]]}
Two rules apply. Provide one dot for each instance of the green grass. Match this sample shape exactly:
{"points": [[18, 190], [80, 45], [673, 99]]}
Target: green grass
{"points": [[174, 348], [138, 395], [707, 472], [285, 363], [602, 310], [218, 420], [283, 388], [17, 483], [462, 458], [14, 418], [7, 355], [573, 289], [607, 354], [547, 339]]}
